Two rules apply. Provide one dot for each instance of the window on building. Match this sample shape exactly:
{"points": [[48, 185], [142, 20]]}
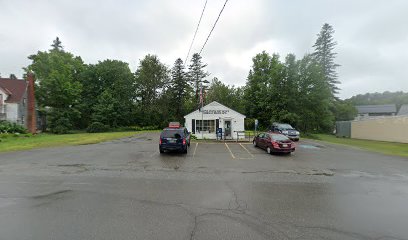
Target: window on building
{"points": [[205, 125]]}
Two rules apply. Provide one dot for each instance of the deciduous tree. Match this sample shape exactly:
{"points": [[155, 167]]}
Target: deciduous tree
{"points": [[58, 87]]}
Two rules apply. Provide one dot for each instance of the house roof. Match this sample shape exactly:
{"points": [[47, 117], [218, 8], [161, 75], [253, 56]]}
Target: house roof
{"points": [[215, 103], [388, 108], [403, 110], [15, 88]]}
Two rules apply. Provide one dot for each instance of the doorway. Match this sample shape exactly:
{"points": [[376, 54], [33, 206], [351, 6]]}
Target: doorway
{"points": [[227, 129]]}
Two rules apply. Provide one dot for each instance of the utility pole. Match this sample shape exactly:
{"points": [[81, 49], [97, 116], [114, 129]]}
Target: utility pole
{"points": [[202, 110]]}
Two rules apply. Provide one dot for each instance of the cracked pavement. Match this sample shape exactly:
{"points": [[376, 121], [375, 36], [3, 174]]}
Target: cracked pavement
{"points": [[125, 189]]}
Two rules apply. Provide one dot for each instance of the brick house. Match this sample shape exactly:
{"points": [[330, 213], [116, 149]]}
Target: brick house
{"points": [[15, 101]]}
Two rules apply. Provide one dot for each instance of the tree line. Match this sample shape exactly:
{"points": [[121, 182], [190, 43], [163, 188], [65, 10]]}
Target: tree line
{"points": [[75, 95]]}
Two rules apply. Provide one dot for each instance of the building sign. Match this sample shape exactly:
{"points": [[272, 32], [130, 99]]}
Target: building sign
{"points": [[215, 111]]}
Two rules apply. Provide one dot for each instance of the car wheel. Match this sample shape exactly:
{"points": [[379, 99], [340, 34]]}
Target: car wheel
{"points": [[185, 150], [161, 151], [268, 150], [254, 143]]}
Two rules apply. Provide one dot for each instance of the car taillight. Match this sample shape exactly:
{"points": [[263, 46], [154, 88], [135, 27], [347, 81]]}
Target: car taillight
{"points": [[184, 141], [160, 141]]}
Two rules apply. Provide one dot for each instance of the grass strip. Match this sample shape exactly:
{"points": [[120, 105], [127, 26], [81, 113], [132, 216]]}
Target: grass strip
{"points": [[389, 148], [43, 140]]}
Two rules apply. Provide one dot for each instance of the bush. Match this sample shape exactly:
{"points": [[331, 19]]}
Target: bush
{"points": [[150, 128], [8, 127], [96, 127], [61, 126], [131, 128]]}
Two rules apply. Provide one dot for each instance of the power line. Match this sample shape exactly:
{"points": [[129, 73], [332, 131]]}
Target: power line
{"points": [[198, 25], [213, 26]]}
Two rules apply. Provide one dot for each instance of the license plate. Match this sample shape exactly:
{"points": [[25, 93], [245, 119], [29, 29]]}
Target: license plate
{"points": [[284, 145], [172, 140]]}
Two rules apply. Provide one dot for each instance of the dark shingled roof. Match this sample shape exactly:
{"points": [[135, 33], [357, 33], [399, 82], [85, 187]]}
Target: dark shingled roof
{"points": [[16, 87], [389, 108], [403, 110]]}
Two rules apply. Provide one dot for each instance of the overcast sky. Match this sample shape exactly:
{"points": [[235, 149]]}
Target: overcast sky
{"points": [[372, 36]]}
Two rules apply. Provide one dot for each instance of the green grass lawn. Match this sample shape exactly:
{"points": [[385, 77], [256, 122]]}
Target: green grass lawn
{"points": [[52, 140], [397, 149]]}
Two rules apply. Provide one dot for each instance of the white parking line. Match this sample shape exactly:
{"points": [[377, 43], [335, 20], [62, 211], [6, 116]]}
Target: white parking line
{"points": [[247, 150], [232, 155], [195, 149]]}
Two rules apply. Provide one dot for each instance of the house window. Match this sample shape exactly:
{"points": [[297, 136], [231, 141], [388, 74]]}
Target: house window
{"points": [[205, 125]]}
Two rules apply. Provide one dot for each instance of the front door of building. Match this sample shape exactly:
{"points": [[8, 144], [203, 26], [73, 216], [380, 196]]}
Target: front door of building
{"points": [[227, 129]]}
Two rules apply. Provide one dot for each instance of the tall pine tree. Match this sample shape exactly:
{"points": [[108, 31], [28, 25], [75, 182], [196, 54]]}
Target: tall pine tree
{"points": [[197, 74], [324, 54], [56, 44], [179, 88]]}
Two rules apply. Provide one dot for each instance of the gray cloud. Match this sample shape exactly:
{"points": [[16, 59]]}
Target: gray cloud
{"points": [[372, 36]]}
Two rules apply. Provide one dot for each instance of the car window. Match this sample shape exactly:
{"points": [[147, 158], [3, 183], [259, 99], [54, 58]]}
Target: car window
{"points": [[285, 126], [176, 133], [278, 137]]}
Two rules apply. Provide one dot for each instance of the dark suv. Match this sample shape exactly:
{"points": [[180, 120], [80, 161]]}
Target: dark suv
{"points": [[285, 129], [174, 138]]}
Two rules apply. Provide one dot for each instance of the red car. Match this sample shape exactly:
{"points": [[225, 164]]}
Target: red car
{"points": [[274, 142]]}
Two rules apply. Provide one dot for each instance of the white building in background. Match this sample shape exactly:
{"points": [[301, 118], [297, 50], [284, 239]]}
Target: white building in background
{"points": [[13, 100], [204, 124]]}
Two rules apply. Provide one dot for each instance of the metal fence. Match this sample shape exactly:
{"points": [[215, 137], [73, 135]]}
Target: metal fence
{"points": [[343, 129]]}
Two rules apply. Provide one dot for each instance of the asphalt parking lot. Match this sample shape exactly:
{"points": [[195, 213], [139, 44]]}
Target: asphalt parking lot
{"points": [[126, 189]]}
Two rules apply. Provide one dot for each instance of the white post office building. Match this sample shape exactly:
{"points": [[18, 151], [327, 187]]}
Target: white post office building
{"points": [[204, 124]]}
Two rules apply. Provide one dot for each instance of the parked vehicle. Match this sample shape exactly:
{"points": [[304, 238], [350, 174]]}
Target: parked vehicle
{"points": [[285, 129], [174, 138], [274, 142]]}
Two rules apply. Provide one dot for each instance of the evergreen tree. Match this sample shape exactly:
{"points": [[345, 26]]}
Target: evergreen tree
{"points": [[324, 54], [179, 88], [197, 74], [56, 45]]}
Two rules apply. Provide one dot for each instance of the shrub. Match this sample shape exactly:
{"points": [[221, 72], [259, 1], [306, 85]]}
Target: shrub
{"points": [[150, 128], [8, 127], [96, 127], [61, 126]]}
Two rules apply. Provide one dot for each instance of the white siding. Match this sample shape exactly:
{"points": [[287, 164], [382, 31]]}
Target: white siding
{"points": [[215, 111], [12, 112], [4, 98]]}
